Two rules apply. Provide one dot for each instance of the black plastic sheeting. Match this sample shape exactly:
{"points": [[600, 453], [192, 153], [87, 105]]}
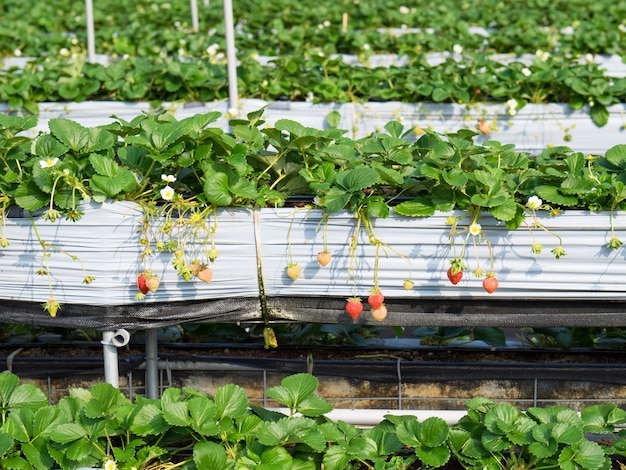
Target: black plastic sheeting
{"points": [[515, 313], [58, 367], [138, 316]]}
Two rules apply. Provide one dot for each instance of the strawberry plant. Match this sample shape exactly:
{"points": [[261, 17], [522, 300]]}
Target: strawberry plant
{"points": [[100, 427]]}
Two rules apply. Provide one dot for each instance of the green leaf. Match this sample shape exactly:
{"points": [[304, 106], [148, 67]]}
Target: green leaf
{"points": [[6, 442], [106, 400], [418, 207], [589, 455], [505, 211], [293, 390], [336, 458], [599, 114], [176, 413], [210, 455], [492, 336], [455, 177], [122, 182], [230, 401], [433, 432], [333, 119], [314, 406], [358, 179], [335, 199], [148, 421], [394, 128], [377, 208], [434, 456], [47, 147], [216, 189], [68, 432], [70, 133], [15, 395], [616, 155], [552, 194]]}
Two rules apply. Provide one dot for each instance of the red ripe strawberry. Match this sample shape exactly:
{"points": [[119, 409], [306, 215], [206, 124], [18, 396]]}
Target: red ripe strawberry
{"points": [[379, 314], [490, 283], [142, 284], [205, 274], [323, 258], [293, 271], [152, 283], [354, 307], [455, 278], [376, 299]]}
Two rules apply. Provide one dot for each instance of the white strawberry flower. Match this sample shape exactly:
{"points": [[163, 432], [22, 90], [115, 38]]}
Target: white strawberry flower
{"points": [[404, 10], [457, 48], [475, 229], [534, 202], [168, 178], [109, 465], [526, 72], [48, 163], [543, 55], [167, 193]]}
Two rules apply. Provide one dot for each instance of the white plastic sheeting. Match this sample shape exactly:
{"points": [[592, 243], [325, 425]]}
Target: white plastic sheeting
{"points": [[419, 248], [107, 244]]}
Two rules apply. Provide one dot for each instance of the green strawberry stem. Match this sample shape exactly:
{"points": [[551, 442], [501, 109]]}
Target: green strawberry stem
{"points": [[52, 305]]}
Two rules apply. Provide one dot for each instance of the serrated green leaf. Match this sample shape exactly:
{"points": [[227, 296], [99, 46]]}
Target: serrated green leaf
{"points": [[377, 208], [358, 179], [418, 207], [177, 414], [616, 155], [230, 401], [217, 189], [68, 432], [314, 406], [552, 194], [455, 177], [47, 147], [210, 455], [148, 421], [505, 211], [70, 133], [433, 456]]}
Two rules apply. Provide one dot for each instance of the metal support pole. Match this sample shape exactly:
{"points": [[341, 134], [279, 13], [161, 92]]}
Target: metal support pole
{"points": [[233, 95], [111, 340], [194, 16], [91, 36], [152, 368]]}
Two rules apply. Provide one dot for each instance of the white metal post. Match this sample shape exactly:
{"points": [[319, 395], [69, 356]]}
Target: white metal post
{"points": [[91, 39], [233, 95], [194, 16]]}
